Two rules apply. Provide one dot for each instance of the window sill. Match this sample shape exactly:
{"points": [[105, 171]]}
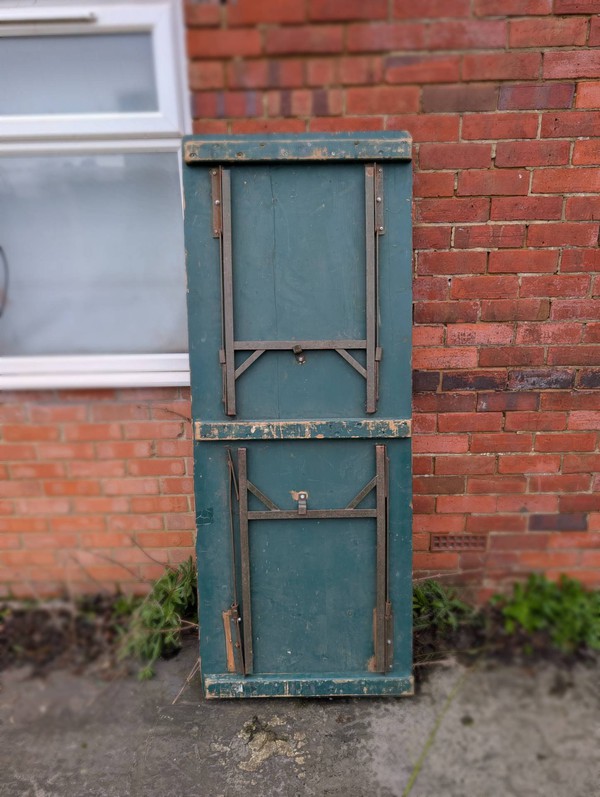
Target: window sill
{"points": [[94, 371]]}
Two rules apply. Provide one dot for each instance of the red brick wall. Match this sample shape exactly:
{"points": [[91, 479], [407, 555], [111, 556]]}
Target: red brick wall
{"points": [[501, 98]]}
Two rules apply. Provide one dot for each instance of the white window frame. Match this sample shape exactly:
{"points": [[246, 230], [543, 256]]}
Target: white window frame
{"points": [[159, 131]]}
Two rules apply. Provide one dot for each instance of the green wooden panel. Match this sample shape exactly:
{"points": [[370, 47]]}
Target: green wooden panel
{"points": [[314, 578]]}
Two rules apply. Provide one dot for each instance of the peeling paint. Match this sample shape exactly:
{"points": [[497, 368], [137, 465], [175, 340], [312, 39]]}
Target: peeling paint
{"points": [[301, 430]]}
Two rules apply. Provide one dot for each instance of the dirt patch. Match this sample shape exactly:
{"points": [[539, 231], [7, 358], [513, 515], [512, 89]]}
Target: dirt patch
{"points": [[61, 635]]}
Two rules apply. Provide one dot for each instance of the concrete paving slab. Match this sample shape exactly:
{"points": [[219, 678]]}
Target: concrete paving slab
{"points": [[506, 732]]}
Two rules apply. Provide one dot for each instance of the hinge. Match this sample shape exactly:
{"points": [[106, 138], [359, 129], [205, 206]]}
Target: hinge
{"points": [[233, 640], [217, 202], [379, 216]]}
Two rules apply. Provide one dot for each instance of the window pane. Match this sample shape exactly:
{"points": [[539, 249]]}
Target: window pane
{"points": [[94, 246], [106, 73]]}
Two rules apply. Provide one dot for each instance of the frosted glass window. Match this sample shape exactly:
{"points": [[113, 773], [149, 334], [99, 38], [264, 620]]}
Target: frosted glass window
{"points": [[94, 73], [95, 254]]}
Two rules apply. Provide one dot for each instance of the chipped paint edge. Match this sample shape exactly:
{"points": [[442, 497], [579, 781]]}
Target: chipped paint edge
{"points": [[341, 146], [215, 431], [218, 686]]}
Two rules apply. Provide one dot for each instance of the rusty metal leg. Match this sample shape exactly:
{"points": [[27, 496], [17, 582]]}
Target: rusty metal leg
{"points": [[228, 329], [370, 294], [245, 560], [381, 567]]}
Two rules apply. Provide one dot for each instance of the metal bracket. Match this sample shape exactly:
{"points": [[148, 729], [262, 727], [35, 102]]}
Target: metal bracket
{"points": [[383, 616], [374, 227]]}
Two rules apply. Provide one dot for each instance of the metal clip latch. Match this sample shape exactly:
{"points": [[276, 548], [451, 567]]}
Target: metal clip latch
{"points": [[299, 355], [302, 498]]}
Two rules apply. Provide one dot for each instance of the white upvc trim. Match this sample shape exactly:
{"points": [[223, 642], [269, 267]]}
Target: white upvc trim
{"points": [[94, 371], [159, 19]]}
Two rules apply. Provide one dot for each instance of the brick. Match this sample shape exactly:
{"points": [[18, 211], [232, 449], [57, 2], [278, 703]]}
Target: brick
{"points": [[479, 504], [438, 485], [202, 14], [16, 452], [562, 234], [259, 74], [382, 99], [430, 288], [579, 355], [494, 523], [582, 502], [323, 71], [519, 542], [548, 333], [469, 422], [303, 39], [586, 152], [541, 379], [575, 539], [459, 35], [563, 285], [579, 208], [440, 444], [503, 441], [42, 506], [558, 522], [58, 414], [425, 381], [532, 153], [207, 75], [72, 487], [127, 523], [65, 451], [18, 433], [491, 181], [34, 470], [19, 489], [526, 208], [515, 310], [496, 485], [332, 10], [422, 69], [502, 66], [495, 126], [435, 561], [431, 237], [268, 126], [479, 334], [385, 37], [455, 156], [575, 483], [360, 70], [527, 503], [565, 441], [458, 99], [423, 504], [589, 378], [575, 6], [519, 8], [22, 525], [445, 403], [445, 312], [427, 127], [581, 463], [535, 421], [591, 333], [427, 336], [588, 95], [522, 261], [432, 263], [422, 465], [559, 181], [530, 463], [571, 63], [130, 450], [570, 401], [594, 39], [569, 124], [211, 44], [488, 236], [552, 32], [256, 12], [436, 358], [486, 287], [511, 356], [452, 210], [433, 184], [465, 465], [507, 402], [526, 97], [574, 308], [403, 9], [546, 560], [477, 380], [448, 524]]}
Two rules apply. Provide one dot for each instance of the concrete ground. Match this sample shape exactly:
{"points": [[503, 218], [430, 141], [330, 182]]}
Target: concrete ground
{"points": [[501, 732]]}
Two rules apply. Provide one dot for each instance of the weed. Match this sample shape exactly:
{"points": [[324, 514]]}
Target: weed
{"points": [[438, 608], [564, 610], [158, 620]]}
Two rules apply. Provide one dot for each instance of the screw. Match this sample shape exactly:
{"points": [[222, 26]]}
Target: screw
{"points": [[217, 201], [214, 171], [378, 199], [381, 229]]}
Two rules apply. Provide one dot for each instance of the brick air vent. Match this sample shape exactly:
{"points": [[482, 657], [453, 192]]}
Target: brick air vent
{"points": [[458, 542]]}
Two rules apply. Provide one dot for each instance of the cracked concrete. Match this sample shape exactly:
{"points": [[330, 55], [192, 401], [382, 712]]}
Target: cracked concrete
{"points": [[509, 732]]}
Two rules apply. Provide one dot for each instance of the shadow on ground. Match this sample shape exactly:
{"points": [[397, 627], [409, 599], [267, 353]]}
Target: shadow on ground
{"points": [[507, 732]]}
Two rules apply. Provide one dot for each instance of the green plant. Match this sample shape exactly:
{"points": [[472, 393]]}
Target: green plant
{"points": [[438, 608], [565, 610], [157, 622]]}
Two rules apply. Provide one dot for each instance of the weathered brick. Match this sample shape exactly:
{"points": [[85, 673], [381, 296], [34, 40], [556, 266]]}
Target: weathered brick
{"points": [[455, 156], [486, 287], [404, 9], [535, 421], [422, 69], [488, 182], [534, 97], [523, 261], [479, 334], [502, 66], [588, 95], [458, 99], [495, 126], [445, 312], [532, 153], [382, 99], [562, 234], [551, 32], [519, 8], [558, 522], [458, 35], [541, 379], [489, 236], [452, 210], [453, 262], [515, 310], [302, 39], [385, 37], [528, 463], [474, 380], [571, 64], [211, 44]]}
